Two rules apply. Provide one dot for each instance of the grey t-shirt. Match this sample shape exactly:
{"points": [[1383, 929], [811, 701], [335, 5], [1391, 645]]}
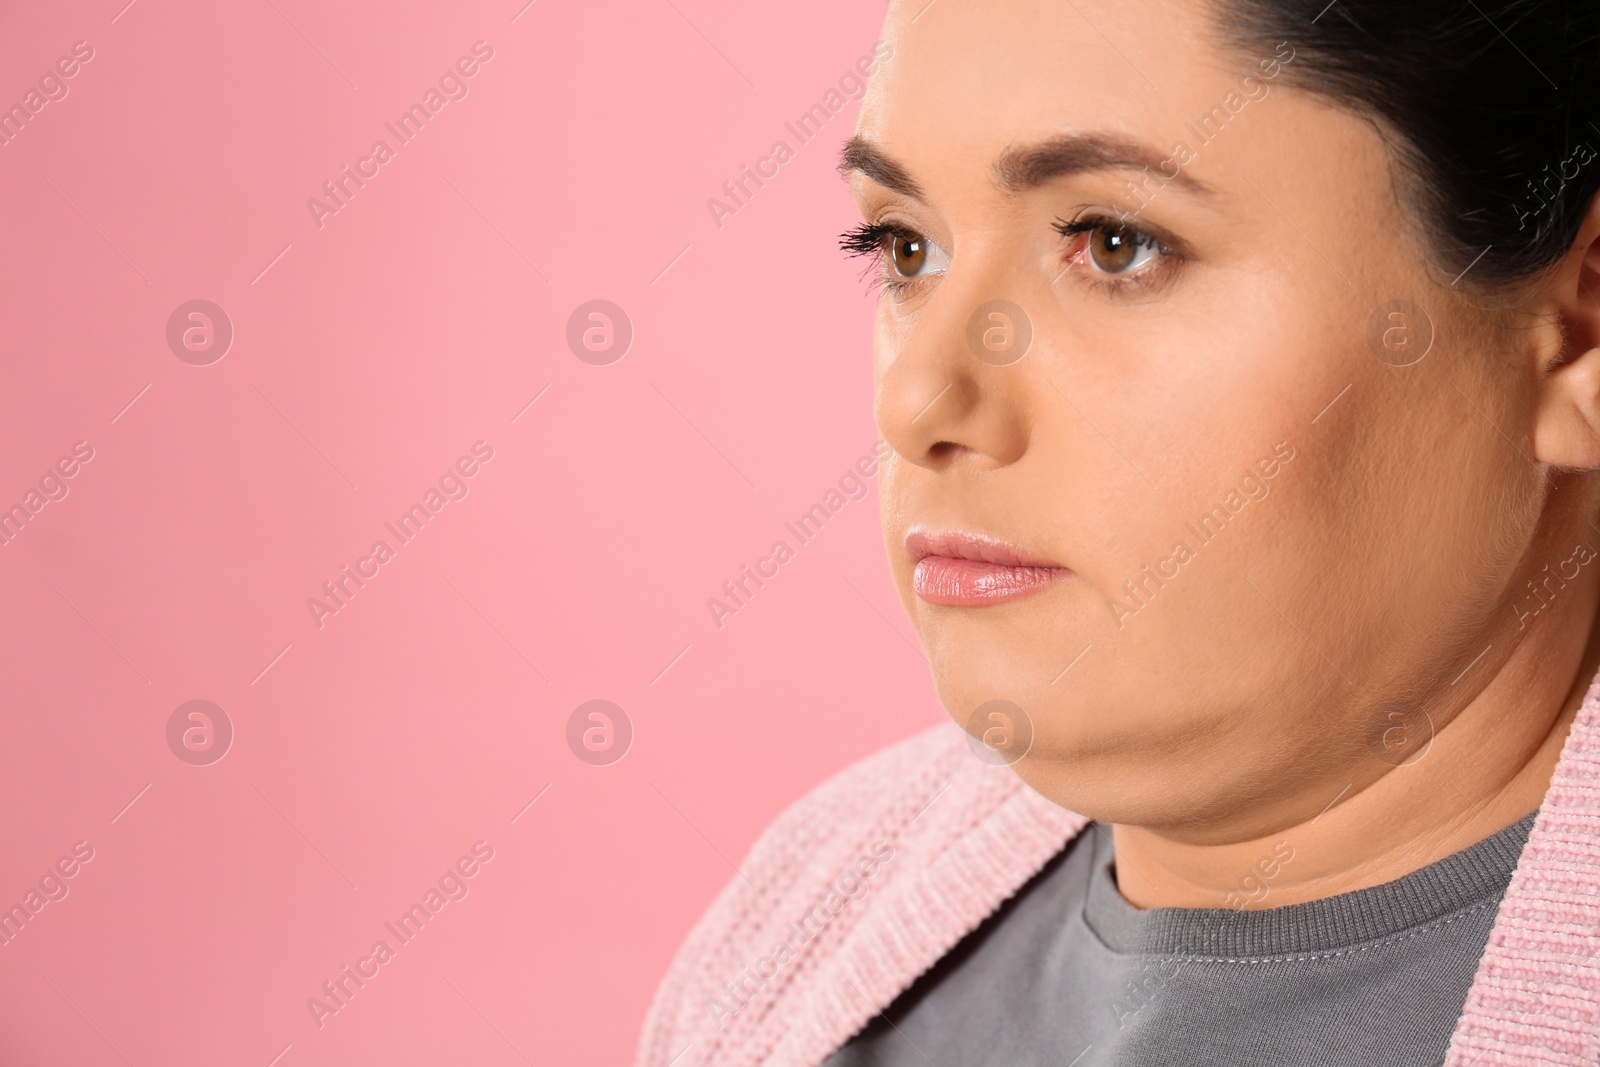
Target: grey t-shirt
{"points": [[1068, 973]]}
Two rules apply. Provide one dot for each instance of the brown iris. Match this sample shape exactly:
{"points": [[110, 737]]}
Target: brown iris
{"points": [[910, 255], [1114, 248]]}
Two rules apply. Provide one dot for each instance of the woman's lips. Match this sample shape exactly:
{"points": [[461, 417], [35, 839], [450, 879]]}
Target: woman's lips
{"points": [[970, 570]]}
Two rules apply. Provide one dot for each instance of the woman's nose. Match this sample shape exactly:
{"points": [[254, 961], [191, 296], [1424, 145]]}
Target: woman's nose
{"points": [[951, 390]]}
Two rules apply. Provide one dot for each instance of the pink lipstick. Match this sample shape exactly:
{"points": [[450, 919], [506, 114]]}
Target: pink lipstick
{"points": [[972, 570]]}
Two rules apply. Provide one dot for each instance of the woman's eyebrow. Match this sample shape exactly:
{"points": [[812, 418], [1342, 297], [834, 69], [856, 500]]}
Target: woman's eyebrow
{"points": [[1021, 169], [860, 154]]}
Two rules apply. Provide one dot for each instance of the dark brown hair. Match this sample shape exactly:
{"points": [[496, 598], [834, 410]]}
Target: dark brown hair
{"points": [[1492, 108]]}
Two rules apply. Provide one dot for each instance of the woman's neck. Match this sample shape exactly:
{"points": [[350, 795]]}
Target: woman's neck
{"points": [[1489, 766]]}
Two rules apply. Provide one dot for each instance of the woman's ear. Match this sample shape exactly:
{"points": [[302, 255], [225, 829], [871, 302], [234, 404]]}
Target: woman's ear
{"points": [[1566, 350]]}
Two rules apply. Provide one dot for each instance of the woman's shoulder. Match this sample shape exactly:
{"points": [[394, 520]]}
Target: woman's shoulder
{"points": [[922, 824]]}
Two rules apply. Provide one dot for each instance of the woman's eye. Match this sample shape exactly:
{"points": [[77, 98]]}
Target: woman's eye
{"points": [[1117, 249], [903, 254], [1113, 252], [911, 255]]}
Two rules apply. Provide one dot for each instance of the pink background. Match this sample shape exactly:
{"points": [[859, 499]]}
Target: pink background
{"points": [[369, 354]]}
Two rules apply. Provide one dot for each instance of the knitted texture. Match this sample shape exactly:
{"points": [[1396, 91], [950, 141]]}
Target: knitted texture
{"points": [[1536, 996], [858, 888], [961, 836]]}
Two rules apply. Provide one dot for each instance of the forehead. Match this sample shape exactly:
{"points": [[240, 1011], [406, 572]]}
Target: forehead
{"points": [[968, 78]]}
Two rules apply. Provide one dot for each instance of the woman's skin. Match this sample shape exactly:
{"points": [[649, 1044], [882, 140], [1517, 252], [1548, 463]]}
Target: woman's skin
{"points": [[1236, 708]]}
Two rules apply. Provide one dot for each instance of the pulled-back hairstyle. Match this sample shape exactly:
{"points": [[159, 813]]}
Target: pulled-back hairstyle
{"points": [[1491, 106]]}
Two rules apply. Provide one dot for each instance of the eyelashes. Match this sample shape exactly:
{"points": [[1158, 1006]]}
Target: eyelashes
{"points": [[901, 254], [1113, 255], [871, 239]]}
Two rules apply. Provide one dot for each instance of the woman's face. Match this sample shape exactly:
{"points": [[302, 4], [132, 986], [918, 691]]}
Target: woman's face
{"points": [[1265, 527]]}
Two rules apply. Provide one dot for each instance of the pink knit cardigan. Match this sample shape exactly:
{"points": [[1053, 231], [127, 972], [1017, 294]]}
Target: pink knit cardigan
{"points": [[859, 887]]}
